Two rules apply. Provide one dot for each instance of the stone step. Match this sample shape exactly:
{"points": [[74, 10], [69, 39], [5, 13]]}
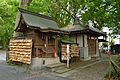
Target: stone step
{"points": [[62, 70], [54, 67], [58, 68]]}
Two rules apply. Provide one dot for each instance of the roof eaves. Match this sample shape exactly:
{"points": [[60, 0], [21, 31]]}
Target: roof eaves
{"points": [[96, 30], [48, 30], [17, 23]]}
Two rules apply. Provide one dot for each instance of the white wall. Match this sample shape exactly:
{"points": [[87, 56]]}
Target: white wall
{"points": [[80, 40]]}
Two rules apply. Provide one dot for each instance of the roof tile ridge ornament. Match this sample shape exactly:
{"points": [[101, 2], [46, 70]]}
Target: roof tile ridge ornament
{"points": [[76, 21]]}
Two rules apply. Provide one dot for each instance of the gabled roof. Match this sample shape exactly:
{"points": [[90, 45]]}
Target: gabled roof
{"points": [[39, 21], [73, 29]]}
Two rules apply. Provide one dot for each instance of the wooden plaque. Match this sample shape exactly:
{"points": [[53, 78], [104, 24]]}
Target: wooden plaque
{"points": [[20, 50]]}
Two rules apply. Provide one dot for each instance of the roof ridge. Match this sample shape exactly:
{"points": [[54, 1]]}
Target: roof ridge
{"points": [[36, 14]]}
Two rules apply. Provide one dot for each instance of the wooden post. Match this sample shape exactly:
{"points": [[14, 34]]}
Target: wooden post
{"points": [[37, 52], [55, 53], [68, 53], [46, 44]]}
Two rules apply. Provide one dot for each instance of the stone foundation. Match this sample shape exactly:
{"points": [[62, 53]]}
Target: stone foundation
{"points": [[38, 63]]}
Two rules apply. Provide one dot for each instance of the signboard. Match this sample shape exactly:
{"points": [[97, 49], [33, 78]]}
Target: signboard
{"points": [[20, 50]]}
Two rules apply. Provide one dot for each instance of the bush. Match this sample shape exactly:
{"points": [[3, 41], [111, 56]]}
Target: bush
{"points": [[118, 59], [113, 75], [114, 71]]}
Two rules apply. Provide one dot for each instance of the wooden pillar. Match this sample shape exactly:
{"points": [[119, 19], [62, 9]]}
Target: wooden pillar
{"points": [[37, 52], [68, 55], [46, 44], [56, 43], [76, 38]]}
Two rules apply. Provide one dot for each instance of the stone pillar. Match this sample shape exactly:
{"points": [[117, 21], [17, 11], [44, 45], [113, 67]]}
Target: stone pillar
{"points": [[86, 53]]}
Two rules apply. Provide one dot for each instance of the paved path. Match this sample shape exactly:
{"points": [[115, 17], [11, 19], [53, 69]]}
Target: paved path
{"points": [[92, 71], [8, 72]]}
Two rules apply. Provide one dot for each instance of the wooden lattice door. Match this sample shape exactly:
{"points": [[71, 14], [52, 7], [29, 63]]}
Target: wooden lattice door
{"points": [[92, 46]]}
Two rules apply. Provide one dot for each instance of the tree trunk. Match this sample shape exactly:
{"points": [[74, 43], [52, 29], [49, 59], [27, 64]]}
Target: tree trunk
{"points": [[24, 3]]}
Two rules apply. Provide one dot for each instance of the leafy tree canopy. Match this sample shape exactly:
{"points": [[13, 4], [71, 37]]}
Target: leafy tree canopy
{"points": [[8, 11], [102, 13]]}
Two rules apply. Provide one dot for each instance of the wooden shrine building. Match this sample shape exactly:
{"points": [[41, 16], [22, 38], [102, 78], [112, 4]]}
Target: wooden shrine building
{"points": [[87, 38], [36, 41]]}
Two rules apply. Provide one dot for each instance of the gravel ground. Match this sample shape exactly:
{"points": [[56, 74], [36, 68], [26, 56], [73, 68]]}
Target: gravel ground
{"points": [[94, 72]]}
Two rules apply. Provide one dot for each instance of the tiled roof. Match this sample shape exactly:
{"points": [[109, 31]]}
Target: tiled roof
{"points": [[83, 29], [38, 20]]}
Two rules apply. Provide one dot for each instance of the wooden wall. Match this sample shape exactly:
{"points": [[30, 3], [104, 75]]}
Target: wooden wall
{"points": [[44, 44]]}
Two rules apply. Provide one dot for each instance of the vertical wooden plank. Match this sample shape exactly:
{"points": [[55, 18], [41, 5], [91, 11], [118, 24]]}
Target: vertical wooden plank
{"points": [[55, 53], [46, 44]]}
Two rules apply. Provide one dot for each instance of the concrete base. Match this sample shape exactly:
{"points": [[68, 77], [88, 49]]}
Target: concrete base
{"points": [[38, 63]]}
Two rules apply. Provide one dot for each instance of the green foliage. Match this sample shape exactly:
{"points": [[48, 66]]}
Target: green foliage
{"points": [[114, 70], [113, 75], [8, 11], [105, 44], [50, 8], [60, 38], [102, 13], [118, 59]]}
